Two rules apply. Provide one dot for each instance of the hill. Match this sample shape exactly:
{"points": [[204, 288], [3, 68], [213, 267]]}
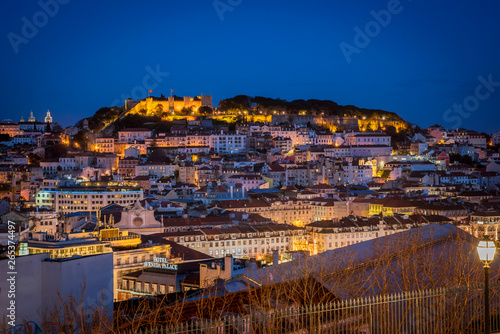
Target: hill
{"points": [[108, 120], [266, 105]]}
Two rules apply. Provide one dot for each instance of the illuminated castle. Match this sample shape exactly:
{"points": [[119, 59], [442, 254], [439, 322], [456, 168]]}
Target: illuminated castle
{"points": [[154, 105]]}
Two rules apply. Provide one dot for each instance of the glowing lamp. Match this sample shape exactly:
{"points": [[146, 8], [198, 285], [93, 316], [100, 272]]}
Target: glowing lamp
{"points": [[486, 250]]}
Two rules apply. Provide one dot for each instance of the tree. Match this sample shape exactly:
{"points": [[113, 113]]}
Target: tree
{"points": [[205, 110], [55, 151], [81, 138], [159, 109], [187, 111]]}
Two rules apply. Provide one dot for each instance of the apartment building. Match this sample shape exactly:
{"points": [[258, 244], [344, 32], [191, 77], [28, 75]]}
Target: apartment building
{"points": [[228, 143], [155, 170], [282, 210], [126, 166], [284, 144], [88, 197], [332, 234], [104, 145], [133, 134], [240, 241], [322, 208], [187, 174], [367, 139], [11, 129]]}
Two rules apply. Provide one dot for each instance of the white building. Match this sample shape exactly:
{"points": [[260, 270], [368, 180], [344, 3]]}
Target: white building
{"points": [[133, 134], [370, 151], [495, 138], [39, 281], [377, 139], [228, 142], [155, 170], [25, 139], [357, 174], [73, 199], [251, 241]]}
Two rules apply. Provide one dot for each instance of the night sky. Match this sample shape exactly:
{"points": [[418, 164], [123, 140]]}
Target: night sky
{"points": [[90, 54]]}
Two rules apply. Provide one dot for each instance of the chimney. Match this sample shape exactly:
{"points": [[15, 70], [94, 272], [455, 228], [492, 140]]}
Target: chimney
{"points": [[276, 257], [220, 285], [228, 266], [252, 265]]}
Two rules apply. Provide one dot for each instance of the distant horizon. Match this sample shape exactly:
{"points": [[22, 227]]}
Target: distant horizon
{"points": [[216, 103]]}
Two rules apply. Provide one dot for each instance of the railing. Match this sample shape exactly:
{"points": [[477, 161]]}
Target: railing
{"points": [[451, 310]]}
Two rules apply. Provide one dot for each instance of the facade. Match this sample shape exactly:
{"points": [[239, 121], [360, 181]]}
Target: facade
{"points": [[126, 166], [127, 261], [25, 140], [133, 134], [282, 210], [495, 138], [187, 174], [155, 170], [332, 234], [241, 241], [357, 174], [228, 143], [87, 198], [139, 219], [322, 209], [367, 139], [10, 128], [284, 144], [105, 145], [40, 281]]}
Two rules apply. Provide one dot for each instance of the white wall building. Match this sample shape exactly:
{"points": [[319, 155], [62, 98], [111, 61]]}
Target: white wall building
{"points": [[39, 280], [228, 142], [155, 170], [132, 134]]}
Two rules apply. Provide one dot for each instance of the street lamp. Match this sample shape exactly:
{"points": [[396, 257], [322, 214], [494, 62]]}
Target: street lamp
{"points": [[486, 250]]}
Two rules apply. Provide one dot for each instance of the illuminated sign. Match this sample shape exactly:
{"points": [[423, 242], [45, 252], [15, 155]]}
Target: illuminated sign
{"points": [[160, 263]]}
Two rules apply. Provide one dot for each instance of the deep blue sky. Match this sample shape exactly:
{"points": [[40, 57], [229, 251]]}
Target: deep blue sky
{"points": [[92, 52]]}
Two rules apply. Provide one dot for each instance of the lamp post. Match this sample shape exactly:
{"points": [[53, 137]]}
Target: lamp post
{"points": [[486, 250]]}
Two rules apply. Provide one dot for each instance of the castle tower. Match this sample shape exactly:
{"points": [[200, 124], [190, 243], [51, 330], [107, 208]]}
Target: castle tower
{"points": [[206, 101], [48, 118], [31, 118]]}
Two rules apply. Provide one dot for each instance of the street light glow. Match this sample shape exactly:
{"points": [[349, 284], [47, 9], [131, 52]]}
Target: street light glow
{"points": [[486, 250]]}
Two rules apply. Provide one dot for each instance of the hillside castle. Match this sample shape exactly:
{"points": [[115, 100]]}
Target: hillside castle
{"points": [[159, 105]]}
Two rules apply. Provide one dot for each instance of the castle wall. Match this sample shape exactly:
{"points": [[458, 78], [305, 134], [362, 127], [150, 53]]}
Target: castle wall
{"points": [[153, 107]]}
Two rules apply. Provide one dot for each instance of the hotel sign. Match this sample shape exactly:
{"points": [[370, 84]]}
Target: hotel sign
{"points": [[160, 263]]}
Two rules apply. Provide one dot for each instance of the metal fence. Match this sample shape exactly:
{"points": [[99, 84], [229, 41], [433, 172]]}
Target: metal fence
{"points": [[451, 310]]}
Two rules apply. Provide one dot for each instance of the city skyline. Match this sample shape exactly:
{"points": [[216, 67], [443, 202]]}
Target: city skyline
{"points": [[403, 57]]}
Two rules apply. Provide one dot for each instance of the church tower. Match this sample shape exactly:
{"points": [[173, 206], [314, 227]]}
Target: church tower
{"points": [[48, 118], [31, 118], [22, 119]]}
